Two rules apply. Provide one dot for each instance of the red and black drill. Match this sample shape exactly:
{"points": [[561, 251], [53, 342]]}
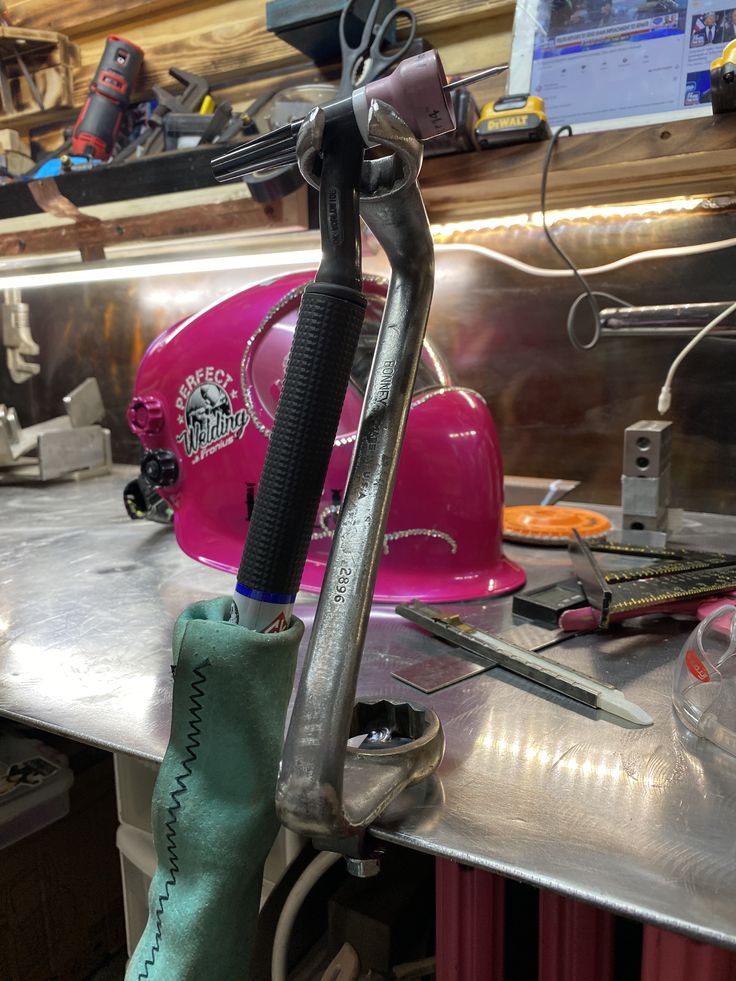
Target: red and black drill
{"points": [[96, 128]]}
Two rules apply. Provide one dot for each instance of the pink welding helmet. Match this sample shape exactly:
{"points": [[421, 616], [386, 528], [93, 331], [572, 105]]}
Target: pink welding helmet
{"points": [[204, 403]]}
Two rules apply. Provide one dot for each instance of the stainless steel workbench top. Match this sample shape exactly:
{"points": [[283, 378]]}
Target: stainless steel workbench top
{"points": [[642, 821]]}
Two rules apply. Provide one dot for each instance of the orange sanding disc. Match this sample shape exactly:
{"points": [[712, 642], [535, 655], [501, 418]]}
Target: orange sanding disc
{"points": [[551, 525]]}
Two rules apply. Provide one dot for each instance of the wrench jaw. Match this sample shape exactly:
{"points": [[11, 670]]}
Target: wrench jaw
{"points": [[386, 128], [328, 789], [402, 744], [309, 145], [381, 178]]}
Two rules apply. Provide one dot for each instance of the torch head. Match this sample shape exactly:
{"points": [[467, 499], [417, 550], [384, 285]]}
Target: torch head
{"points": [[415, 90]]}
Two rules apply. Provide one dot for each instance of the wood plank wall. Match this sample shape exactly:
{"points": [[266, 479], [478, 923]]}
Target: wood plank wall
{"points": [[227, 41]]}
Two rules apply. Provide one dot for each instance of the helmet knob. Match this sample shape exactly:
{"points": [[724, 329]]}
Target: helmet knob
{"points": [[146, 415], [160, 467]]}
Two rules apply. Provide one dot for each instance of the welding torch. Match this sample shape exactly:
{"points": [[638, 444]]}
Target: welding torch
{"points": [[327, 329]]}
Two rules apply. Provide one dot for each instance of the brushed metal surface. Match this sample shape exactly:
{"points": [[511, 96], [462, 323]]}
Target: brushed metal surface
{"points": [[532, 785]]}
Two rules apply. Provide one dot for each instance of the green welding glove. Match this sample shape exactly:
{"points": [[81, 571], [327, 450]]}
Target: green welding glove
{"points": [[214, 820]]}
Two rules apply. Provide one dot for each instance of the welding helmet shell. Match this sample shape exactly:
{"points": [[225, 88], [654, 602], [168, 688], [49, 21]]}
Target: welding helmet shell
{"points": [[205, 399]]}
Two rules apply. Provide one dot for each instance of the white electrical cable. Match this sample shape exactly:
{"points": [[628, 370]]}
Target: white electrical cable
{"points": [[665, 396], [302, 887], [627, 260]]}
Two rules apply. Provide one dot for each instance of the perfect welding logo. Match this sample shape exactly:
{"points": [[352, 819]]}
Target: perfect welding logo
{"points": [[206, 411]]}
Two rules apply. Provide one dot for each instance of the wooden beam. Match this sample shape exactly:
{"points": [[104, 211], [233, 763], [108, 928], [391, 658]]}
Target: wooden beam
{"points": [[137, 222], [693, 156], [467, 46], [84, 17], [32, 42], [229, 41], [78, 17]]}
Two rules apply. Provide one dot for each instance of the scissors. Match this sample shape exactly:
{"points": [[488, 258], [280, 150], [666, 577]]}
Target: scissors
{"points": [[368, 59]]}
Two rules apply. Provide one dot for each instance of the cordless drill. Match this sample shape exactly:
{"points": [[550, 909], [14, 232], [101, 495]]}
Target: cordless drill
{"points": [[96, 128]]}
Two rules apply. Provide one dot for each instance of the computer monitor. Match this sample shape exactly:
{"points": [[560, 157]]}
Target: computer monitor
{"points": [[606, 64]]}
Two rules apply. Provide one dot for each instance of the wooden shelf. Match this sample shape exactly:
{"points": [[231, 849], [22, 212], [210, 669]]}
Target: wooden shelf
{"points": [[692, 156], [167, 196], [179, 170], [173, 195]]}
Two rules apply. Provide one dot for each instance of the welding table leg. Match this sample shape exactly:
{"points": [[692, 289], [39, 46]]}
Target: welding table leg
{"points": [[671, 957], [575, 940], [470, 923]]}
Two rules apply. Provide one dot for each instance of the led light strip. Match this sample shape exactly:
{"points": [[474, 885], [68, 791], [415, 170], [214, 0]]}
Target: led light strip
{"points": [[103, 273]]}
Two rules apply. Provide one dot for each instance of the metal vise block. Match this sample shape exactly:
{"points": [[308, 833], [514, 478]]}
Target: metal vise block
{"points": [[647, 448], [645, 482], [646, 496]]}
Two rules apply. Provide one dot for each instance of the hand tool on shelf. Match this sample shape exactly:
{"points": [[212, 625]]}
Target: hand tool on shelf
{"points": [[92, 140], [374, 53], [314, 27], [96, 128], [185, 129], [500, 651], [151, 139]]}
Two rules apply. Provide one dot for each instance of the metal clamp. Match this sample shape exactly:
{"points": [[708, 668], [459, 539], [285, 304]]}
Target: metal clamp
{"points": [[72, 443], [17, 337], [328, 789]]}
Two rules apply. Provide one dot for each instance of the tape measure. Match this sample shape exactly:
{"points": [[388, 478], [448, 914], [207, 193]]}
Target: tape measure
{"points": [[512, 119], [680, 574]]}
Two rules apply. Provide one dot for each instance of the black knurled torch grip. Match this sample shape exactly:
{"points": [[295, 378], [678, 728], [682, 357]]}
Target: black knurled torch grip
{"points": [[308, 413]]}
